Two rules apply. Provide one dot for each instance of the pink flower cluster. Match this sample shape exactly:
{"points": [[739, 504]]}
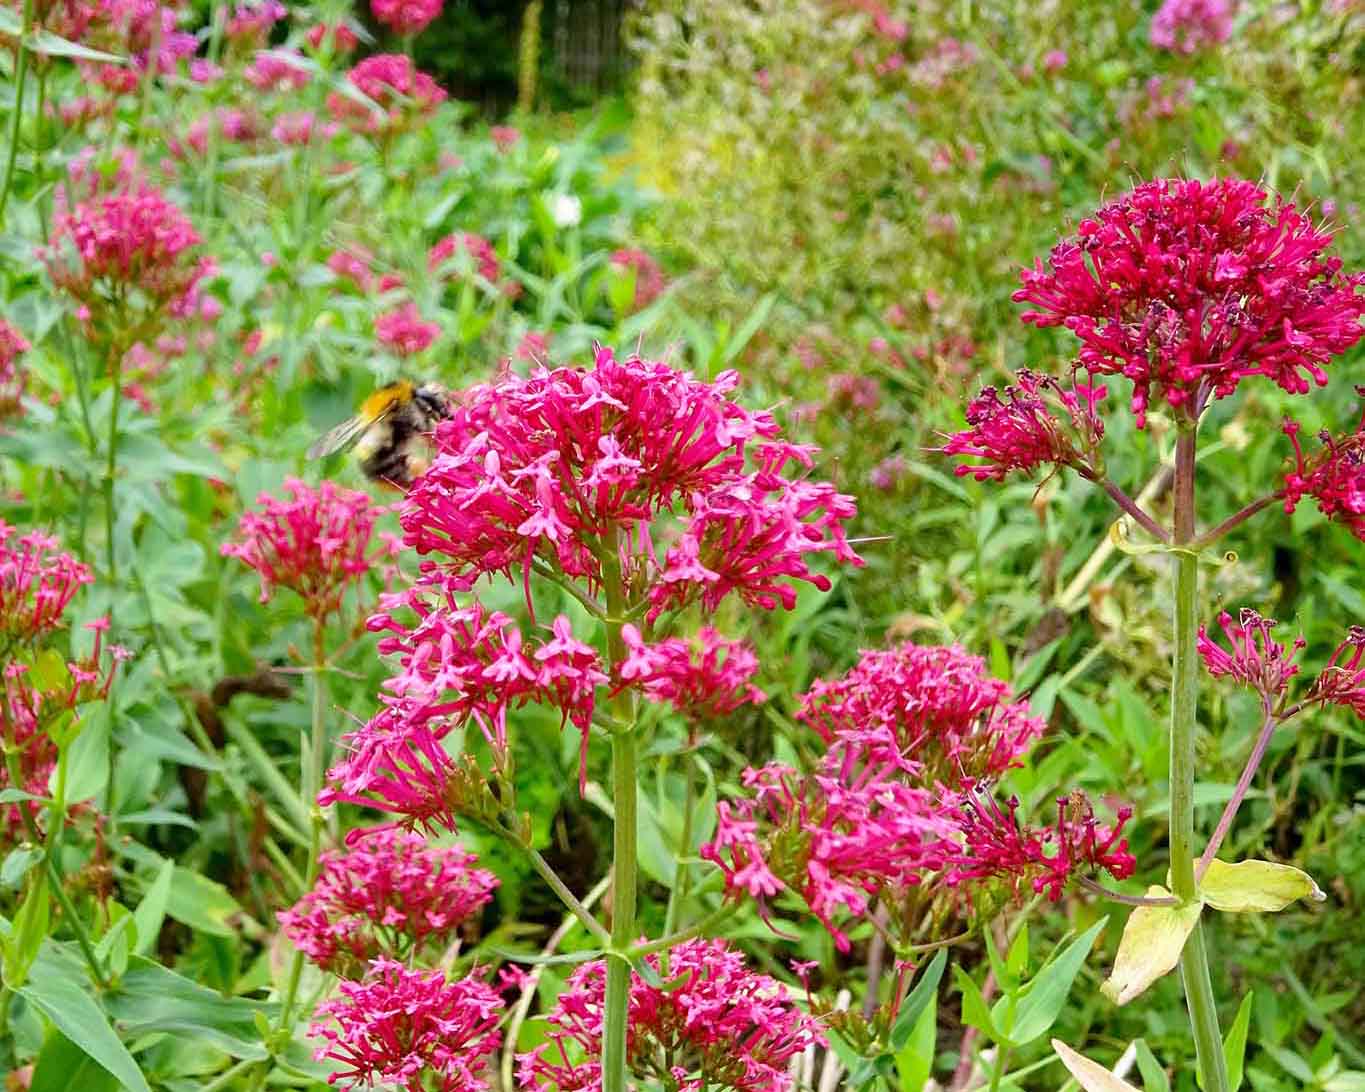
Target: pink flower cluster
{"points": [[715, 1025], [1260, 663], [396, 85], [704, 679], [280, 70], [1188, 287], [1342, 681], [145, 31], [316, 542], [895, 803], [1335, 478], [565, 473], [1256, 659], [1039, 422], [1188, 26], [388, 894], [996, 846], [126, 239], [932, 706], [649, 277], [479, 249], [835, 838], [404, 330], [13, 379], [544, 469], [37, 583], [410, 1030], [406, 17]]}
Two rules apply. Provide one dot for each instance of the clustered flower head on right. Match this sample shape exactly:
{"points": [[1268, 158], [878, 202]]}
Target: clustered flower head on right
{"points": [[898, 806]]}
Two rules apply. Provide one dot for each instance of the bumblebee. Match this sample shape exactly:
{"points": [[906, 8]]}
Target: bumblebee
{"points": [[391, 433]]}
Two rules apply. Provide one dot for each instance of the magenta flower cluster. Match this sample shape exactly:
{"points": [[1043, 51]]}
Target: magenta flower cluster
{"points": [[1189, 26], [315, 542], [1038, 422], [406, 17], [410, 1030], [570, 474], [896, 802], [388, 893], [1187, 288], [127, 240], [716, 1024]]}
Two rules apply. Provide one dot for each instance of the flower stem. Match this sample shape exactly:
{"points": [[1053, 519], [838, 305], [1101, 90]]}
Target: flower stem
{"points": [[1194, 961], [1132, 508], [1220, 832], [20, 75], [111, 467], [625, 861], [1236, 519], [314, 755]]}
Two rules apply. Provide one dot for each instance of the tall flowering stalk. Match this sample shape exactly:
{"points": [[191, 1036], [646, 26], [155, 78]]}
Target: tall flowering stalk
{"points": [[642, 493], [1186, 289], [319, 544], [129, 259]]}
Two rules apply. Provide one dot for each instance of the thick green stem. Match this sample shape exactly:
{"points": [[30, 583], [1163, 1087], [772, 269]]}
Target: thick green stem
{"points": [[625, 853], [1194, 961], [20, 75]]}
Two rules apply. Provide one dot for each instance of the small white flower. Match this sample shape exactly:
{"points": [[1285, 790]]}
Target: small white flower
{"points": [[566, 210]]}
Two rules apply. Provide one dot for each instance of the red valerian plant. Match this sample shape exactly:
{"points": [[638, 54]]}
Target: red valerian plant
{"points": [[715, 1025], [640, 492], [316, 542], [38, 581], [13, 378], [406, 17], [387, 894], [402, 91], [893, 811], [1189, 289], [410, 1030]]}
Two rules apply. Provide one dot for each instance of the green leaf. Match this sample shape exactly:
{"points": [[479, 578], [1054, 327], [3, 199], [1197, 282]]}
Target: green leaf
{"points": [[17, 863], [748, 328], [924, 993], [1043, 998], [1016, 961], [915, 1060], [52, 45], [87, 761], [1291, 1063], [62, 1066], [150, 998], [1235, 1043], [28, 932], [58, 990], [194, 900], [540, 959], [1154, 1078], [975, 1012], [1256, 886], [1091, 1076], [1152, 942], [151, 911]]}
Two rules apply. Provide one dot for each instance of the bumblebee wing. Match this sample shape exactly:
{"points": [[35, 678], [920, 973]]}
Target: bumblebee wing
{"points": [[336, 439]]}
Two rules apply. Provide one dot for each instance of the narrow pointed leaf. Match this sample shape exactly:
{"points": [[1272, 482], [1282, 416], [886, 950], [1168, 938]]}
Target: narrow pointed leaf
{"points": [[925, 991], [1046, 994], [1152, 942]]}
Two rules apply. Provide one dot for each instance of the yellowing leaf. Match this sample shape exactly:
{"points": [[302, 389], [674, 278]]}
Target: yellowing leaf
{"points": [[1091, 1076], [1256, 886], [1152, 942]]}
